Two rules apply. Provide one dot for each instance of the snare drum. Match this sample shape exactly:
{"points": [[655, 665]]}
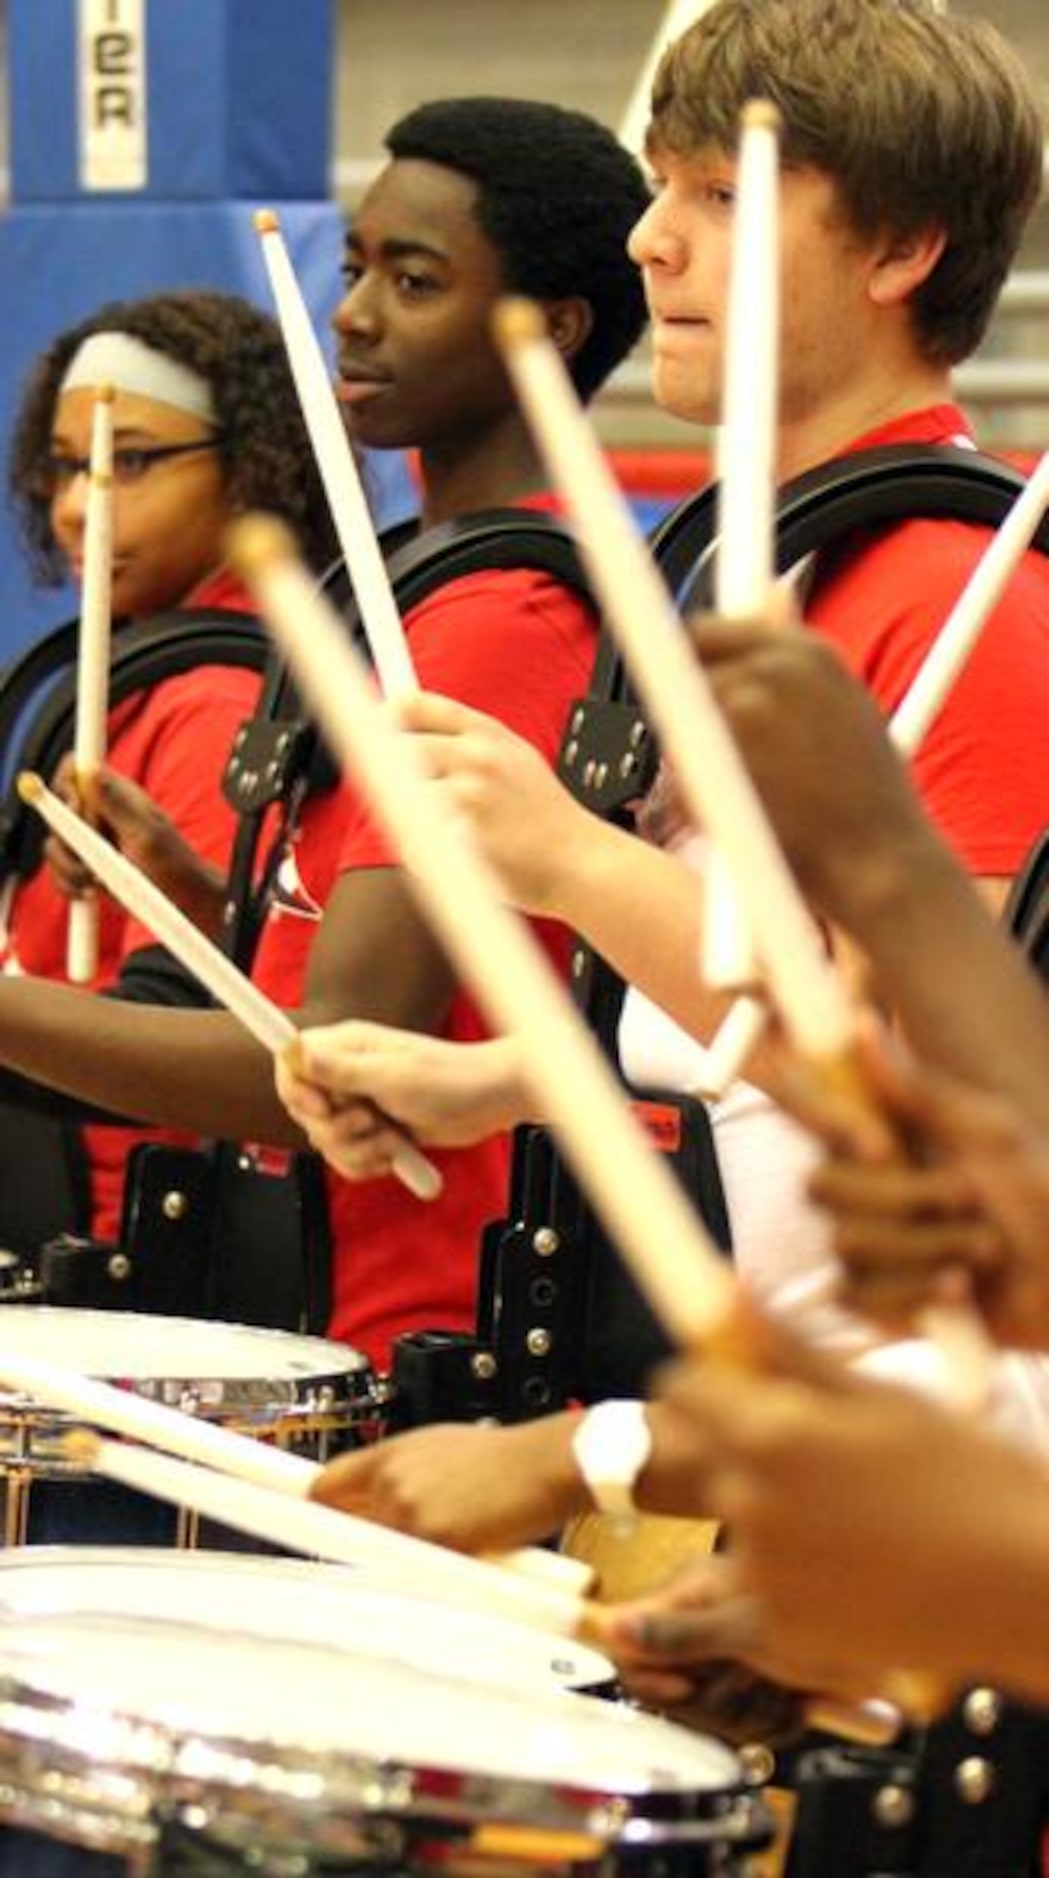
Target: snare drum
{"points": [[302, 1393], [162, 1747], [299, 1601]]}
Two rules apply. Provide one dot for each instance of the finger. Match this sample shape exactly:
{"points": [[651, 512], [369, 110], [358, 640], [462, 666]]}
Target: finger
{"points": [[371, 1159], [872, 1246], [894, 1192], [304, 1101], [445, 754], [728, 1628], [346, 1482], [897, 1300], [424, 711], [656, 1688]]}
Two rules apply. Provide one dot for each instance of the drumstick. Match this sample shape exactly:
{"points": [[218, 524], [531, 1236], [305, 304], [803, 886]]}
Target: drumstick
{"points": [[679, 15], [957, 638], [301, 1525], [642, 1204], [191, 1438], [745, 561], [338, 468], [336, 1537], [100, 1403], [269, 1025], [712, 776], [92, 691]]}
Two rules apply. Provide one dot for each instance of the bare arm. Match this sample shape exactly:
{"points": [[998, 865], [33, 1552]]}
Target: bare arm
{"points": [[200, 1070]]}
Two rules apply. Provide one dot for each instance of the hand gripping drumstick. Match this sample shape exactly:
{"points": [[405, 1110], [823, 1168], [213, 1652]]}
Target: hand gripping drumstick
{"points": [[92, 690], [338, 468], [302, 1525], [267, 1023], [669, 1253]]}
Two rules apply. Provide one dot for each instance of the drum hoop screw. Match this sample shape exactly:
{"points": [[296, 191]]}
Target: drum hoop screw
{"points": [[546, 1241], [483, 1365], [758, 1763], [538, 1342], [174, 1205], [974, 1780], [893, 1806], [118, 1267], [982, 1711]]}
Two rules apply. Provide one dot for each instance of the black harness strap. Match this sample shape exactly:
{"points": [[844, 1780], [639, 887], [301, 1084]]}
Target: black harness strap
{"points": [[43, 1172]]}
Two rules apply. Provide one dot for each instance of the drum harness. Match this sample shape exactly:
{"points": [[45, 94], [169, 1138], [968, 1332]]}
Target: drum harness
{"points": [[44, 1169], [967, 1797]]}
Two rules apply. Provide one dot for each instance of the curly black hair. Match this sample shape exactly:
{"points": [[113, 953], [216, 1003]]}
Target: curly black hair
{"points": [[557, 198], [264, 449]]}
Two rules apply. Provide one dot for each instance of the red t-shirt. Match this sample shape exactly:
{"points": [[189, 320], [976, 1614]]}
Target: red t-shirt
{"points": [[981, 771], [174, 740], [519, 646]]}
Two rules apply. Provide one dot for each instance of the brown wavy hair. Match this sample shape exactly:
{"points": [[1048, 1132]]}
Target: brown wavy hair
{"points": [[924, 120], [264, 450]]}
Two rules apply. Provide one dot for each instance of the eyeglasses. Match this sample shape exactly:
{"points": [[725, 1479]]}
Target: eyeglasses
{"points": [[131, 462]]}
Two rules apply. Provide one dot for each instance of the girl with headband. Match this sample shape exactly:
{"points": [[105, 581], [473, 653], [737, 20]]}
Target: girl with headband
{"points": [[206, 423]]}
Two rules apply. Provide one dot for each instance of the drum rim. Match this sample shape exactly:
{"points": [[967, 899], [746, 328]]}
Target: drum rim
{"points": [[365, 1586], [306, 1800], [342, 1377]]}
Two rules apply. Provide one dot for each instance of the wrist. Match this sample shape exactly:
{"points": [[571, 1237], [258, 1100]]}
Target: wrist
{"points": [[546, 1456]]}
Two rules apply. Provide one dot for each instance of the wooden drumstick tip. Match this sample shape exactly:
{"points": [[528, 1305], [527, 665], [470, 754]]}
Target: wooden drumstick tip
{"points": [[30, 786], [761, 114], [257, 542], [267, 221], [81, 1447], [517, 322]]}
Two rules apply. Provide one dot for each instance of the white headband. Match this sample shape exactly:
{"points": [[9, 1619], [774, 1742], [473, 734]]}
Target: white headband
{"points": [[128, 364]]}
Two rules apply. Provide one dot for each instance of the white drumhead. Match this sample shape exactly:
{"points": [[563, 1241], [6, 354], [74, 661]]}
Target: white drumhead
{"points": [[298, 1602], [131, 1347], [329, 1700]]}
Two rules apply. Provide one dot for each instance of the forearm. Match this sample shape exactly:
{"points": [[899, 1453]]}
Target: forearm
{"points": [[641, 908], [198, 888], [965, 999], [197, 1070]]}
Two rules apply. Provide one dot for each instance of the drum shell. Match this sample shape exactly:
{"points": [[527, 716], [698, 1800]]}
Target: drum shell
{"points": [[310, 1396]]}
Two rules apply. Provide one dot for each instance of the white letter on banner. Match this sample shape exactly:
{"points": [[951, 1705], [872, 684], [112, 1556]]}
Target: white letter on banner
{"points": [[111, 53]]}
